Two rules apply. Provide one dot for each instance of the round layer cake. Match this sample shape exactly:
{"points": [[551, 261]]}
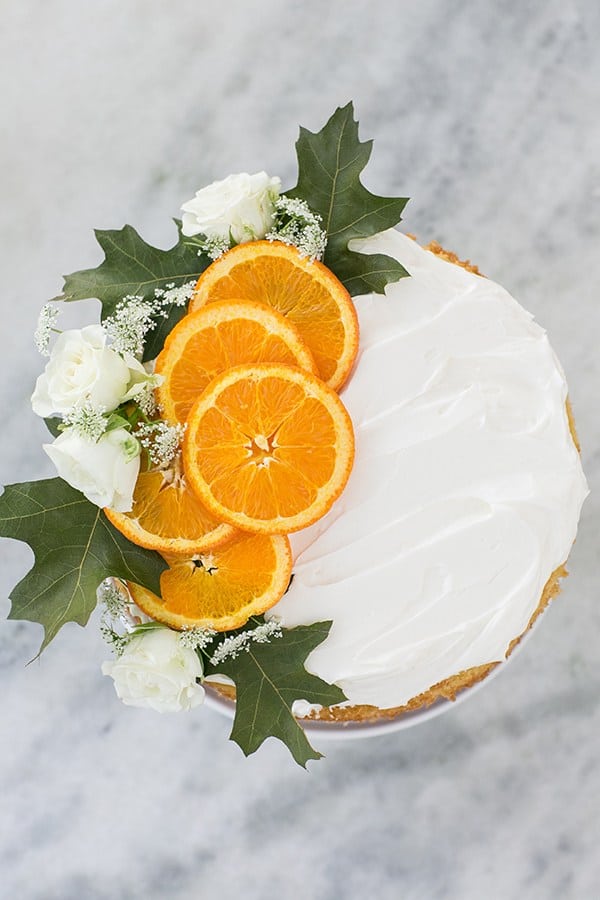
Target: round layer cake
{"points": [[463, 504]]}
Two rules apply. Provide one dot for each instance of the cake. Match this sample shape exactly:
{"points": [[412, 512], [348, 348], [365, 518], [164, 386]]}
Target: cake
{"points": [[454, 529], [319, 501]]}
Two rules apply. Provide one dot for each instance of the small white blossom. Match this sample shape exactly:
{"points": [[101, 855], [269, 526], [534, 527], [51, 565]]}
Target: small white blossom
{"points": [[235, 644], [114, 597], [173, 295], [146, 400], [296, 224], [117, 602], [231, 647], [45, 326], [196, 638], [134, 316], [130, 323], [214, 247], [118, 642], [162, 441], [88, 420], [262, 634]]}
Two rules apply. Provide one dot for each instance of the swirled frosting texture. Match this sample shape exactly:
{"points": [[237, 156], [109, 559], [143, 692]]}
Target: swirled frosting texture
{"points": [[465, 493]]}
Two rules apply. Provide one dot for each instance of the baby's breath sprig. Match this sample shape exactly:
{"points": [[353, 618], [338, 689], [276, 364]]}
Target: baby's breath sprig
{"points": [[45, 327], [213, 247], [235, 644], [146, 400], [174, 295], [87, 420], [135, 316], [294, 223], [117, 603], [115, 597], [196, 638], [130, 323], [162, 441], [117, 641]]}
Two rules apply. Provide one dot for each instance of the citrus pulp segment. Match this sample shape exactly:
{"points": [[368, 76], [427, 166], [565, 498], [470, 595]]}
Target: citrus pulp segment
{"points": [[268, 448], [216, 338], [221, 589], [168, 517], [305, 292]]}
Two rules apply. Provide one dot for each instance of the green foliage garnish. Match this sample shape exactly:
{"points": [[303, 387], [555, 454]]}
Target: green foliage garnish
{"points": [[131, 267], [269, 677], [75, 549], [329, 167]]}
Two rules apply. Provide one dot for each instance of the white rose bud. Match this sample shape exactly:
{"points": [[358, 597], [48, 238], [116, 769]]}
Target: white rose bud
{"points": [[105, 471], [240, 205], [157, 672], [81, 368], [140, 379]]}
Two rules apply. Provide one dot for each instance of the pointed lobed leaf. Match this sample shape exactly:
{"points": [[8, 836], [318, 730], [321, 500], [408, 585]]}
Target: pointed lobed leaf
{"points": [[329, 165], [133, 267], [269, 678], [52, 424], [75, 549]]}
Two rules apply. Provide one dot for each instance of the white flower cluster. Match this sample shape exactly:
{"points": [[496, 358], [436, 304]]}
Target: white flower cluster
{"points": [[173, 295], [232, 646], [135, 316], [294, 223], [116, 601], [146, 398], [162, 441], [88, 421], [214, 247], [129, 324], [45, 327], [84, 381], [238, 209], [196, 638], [115, 597]]}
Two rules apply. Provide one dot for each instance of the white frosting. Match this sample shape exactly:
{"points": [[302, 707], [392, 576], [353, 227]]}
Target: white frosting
{"points": [[465, 493]]}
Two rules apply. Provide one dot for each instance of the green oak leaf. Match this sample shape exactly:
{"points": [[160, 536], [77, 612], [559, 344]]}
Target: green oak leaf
{"points": [[268, 678], [52, 424], [329, 165], [133, 267], [75, 549]]}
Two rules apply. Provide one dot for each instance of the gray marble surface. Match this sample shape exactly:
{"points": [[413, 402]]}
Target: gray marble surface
{"points": [[486, 114]]}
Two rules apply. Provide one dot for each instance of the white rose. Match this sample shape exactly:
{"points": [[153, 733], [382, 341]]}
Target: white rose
{"points": [[81, 367], [104, 471], [241, 205], [157, 672]]}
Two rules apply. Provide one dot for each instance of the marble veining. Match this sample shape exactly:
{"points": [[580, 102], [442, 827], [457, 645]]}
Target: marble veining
{"points": [[486, 115]]}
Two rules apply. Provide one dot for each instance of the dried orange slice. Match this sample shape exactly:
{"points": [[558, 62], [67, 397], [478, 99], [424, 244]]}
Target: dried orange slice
{"points": [[306, 292], [268, 448], [223, 588], [168, 517], [216, 338]]}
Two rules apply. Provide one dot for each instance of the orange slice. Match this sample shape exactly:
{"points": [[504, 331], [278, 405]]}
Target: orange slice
{"points": [[307, 293], [268, 448], [223, 588], [168, 517], [216, 338]]}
